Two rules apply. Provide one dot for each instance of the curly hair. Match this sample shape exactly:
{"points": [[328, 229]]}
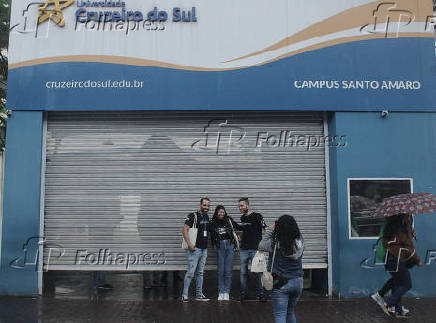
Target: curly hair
{"points": [[286, 232]]}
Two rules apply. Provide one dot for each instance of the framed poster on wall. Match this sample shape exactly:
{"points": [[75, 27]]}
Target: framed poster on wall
{"points": [[364, 194]]}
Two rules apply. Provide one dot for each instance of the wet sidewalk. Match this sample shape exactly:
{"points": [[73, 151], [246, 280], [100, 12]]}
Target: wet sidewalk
{"points": [[72, 299], [28, 310]]}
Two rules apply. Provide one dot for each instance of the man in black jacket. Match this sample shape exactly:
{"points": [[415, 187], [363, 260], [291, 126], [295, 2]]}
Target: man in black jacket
{"points": [[197, 253], [252, 224]]}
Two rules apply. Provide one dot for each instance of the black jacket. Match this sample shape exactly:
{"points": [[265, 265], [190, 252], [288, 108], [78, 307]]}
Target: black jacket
{"points": [[214, 235], [252, 228]]}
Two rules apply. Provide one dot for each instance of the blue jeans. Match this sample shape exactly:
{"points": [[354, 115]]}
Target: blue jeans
{"points": [[196, 262], [99, 278], [246, 257], [284, 300], [402, 282], [225, 266]]}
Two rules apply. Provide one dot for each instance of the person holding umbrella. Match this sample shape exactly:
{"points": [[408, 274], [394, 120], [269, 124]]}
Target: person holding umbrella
{"points": [[378, 297], [402, 255], [398, 241]]}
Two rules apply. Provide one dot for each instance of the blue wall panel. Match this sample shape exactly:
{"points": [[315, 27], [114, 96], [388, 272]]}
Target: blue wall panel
{"points": [[21, 204], [269, 86], [402, 145]]}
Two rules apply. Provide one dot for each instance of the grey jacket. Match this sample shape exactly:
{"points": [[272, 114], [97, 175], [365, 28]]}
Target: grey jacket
{"points": [[285, 265]]}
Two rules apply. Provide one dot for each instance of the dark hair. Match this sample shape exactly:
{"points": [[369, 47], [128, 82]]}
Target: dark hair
{"points": [[286, 232], [204, 198], [215, 214], [396, 224], [244, 199]]}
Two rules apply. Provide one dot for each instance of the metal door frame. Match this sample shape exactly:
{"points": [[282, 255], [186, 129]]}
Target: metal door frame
{"points": [[40, 266]]}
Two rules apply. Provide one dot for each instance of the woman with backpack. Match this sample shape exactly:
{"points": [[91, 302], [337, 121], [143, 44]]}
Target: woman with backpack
{"points": [[225, 240], [401, 255], [284, 237], [378, 297]]}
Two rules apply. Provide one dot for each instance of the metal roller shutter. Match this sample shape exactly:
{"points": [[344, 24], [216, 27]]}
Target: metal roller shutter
{"points": [[119, 185]]}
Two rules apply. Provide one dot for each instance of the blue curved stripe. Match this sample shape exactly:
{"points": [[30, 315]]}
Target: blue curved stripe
{"points": [[263, 87]]}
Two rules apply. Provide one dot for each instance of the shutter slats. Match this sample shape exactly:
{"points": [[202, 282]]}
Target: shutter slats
{"points": [[125, 181]]}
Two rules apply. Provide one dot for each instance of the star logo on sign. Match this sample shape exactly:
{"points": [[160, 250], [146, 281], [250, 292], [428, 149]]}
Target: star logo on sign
{"points": [[52, 9]]}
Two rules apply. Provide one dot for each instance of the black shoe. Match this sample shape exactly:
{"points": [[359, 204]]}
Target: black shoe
{"points": [[243, 298], [105, 286], [261, 298], [202, 298]]}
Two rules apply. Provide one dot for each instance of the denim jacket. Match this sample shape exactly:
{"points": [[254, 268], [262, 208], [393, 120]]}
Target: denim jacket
{"points": [[285, 266]]}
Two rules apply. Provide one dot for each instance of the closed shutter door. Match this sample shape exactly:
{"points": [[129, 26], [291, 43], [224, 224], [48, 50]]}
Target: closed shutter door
{"points": [[119, 185]]}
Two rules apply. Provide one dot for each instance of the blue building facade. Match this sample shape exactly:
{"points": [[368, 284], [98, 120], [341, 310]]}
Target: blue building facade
{"points": [[380, 148], [351, 78]]}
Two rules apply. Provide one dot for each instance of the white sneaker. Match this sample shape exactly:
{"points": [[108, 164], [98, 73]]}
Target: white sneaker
{"points": [[378, 299], [220, 297], [226, 297], [405, 310]]}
